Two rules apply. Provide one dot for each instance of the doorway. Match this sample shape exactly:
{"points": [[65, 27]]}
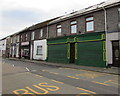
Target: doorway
{"points": [[116, 54], [72, 52]]}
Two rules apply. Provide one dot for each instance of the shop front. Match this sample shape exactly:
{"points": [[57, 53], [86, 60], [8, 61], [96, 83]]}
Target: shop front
{"points": [[85, 49], [25, 50]]}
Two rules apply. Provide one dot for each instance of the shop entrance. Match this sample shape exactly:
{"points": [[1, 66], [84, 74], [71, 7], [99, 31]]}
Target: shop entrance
{"points": [[116, 54], [72, 52]]}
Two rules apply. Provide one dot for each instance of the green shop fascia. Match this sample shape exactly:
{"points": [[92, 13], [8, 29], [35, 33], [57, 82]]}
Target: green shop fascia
{"points": [[85, 49]]}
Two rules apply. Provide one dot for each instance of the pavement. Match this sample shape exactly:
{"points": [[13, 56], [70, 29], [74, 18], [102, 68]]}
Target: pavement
{"points": [[112, 70]]}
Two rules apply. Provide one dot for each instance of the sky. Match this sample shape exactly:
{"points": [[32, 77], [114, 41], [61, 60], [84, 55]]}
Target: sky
{"points": [[16, 15]]}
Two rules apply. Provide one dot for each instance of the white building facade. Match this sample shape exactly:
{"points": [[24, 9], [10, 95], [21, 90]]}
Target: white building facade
{"points": [[3, 47], [40, 49]]}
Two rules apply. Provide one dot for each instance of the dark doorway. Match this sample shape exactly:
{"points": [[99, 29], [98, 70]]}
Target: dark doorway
{"points": [[72, 53], [116, 54]]}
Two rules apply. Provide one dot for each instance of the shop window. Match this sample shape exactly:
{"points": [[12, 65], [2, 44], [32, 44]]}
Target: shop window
{"points": [[59, 30], [39, 50], [90, 24], [73, 25], [41, 33]]}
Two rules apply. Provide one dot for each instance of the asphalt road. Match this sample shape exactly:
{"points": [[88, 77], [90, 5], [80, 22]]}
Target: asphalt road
{"points": [[32, 78]]}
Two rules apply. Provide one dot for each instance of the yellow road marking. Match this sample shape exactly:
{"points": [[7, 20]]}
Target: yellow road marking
{"points": [[108, 81], [111, 81], [73, 77], [90, 75], [38, 76], [115, 83], [54, 73], [86, 90], [100, 83], [57, 81]]}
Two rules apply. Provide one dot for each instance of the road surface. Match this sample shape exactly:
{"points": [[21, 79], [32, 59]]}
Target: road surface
{"points": [[20, 77]]}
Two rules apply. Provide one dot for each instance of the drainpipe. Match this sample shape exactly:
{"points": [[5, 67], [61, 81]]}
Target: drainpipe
{"points": [[47, 31], [105, 16]]}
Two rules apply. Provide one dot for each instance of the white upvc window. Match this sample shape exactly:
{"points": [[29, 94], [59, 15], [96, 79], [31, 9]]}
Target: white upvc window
{"points": [[11, 39], [119, 18], [18, 38], [32, 35], [41, 33], [21, 38], [26, 37], [90, 24], [14, 39], [39, 50], [73, 25], [59, 30]]}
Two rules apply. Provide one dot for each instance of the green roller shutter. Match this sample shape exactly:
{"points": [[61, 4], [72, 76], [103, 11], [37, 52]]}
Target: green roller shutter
{"points": [[58, 53], [90, 54]]}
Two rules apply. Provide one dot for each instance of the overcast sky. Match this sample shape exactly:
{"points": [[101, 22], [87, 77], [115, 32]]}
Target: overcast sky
{"points": [[16, 15]]}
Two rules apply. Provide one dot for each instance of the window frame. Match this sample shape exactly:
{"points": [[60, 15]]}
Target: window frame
{"points": [[40, 33], [73, 24], [33, 35], [18, 38], [118, 18], [21, 37], [58, 27], [40, 50], [26, 36], [89, 21]]}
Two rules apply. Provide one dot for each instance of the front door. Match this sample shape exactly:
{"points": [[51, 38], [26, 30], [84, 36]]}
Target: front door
{"points": [[72, 53], [116, 54]]}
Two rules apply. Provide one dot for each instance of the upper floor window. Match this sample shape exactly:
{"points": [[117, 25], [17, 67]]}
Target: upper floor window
{"points": [[11, 40], [59, 30], [41, 33], [119, 18], [119, 14], [14, 39], [18, 38], [21, 38], [26, 37], [73, 25], [89, 24], [32, 35]]}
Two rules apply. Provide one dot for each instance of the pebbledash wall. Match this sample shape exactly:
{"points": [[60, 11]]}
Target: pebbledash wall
{"points": [[89, 49]]}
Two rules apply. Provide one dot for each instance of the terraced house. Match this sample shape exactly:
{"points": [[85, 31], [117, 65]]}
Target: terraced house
{"points": [[33, 43], [88, 37]]}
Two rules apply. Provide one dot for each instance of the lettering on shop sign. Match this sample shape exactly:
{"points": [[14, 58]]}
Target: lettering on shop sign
{"points": [[43, 87]]}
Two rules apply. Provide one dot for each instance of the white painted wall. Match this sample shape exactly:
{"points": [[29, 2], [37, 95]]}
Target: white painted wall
{"points": [[17, 50], [31, 51], [42, 43], [110, 37], [2, 47]]}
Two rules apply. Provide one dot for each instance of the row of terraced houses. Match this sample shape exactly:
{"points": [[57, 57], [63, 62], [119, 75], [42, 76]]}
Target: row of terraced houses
{"points": [[88, 37]]}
